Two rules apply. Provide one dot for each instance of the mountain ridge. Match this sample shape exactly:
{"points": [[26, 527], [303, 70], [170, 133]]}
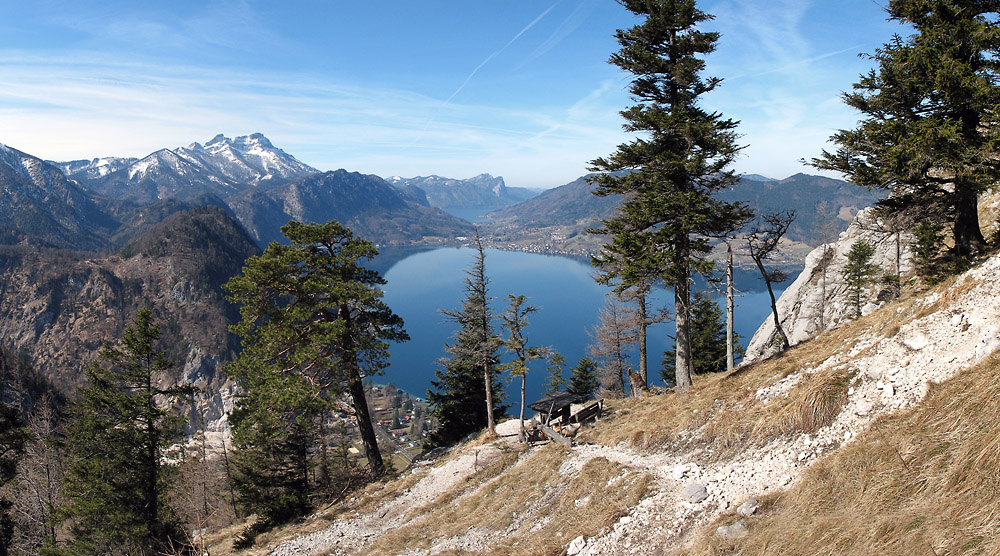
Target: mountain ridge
{"points": [[221, 166]]}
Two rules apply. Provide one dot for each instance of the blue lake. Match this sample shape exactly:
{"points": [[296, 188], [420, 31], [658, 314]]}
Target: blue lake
{"points": [[420, 284]]}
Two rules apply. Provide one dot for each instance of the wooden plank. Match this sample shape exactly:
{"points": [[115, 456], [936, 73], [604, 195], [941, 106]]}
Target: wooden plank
{"points": [[551, 433], [585, 414]]}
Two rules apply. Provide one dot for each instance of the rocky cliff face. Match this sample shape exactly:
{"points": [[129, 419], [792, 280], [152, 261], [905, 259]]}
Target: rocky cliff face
{"points": [[818, 298], [59, 307], [482, 191]]}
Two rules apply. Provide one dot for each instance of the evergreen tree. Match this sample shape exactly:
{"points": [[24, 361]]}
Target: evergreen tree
{"points": [[929, 133], [584, 381], [118, 431], [708, 340], [515, 320], [273, 435], [668, 175], [456, 397], [926, 250], [859, 271], [556, 382], [313, 327], [13, 437]]}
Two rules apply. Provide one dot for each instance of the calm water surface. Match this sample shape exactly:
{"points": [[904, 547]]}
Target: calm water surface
{"points": [[563, 289]]}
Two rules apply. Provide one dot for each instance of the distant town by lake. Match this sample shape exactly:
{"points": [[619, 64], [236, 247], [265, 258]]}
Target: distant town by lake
{"points": [[421, 283]]}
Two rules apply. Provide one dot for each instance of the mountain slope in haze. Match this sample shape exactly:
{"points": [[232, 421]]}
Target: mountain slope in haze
{"points": [[57, 307], [222, 167], [366, 204], [572, 204], [482, 191], [801, 193], [38, 203], [559, 216]]}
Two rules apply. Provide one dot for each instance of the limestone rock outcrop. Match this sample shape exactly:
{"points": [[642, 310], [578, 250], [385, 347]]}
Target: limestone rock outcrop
{"points": [[817, 300]]}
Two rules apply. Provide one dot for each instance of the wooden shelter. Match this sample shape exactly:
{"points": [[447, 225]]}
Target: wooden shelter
{"points": [[555, 412]]}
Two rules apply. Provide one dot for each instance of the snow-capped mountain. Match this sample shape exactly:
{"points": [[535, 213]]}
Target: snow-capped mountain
{"points": [[222, 167], [250, 159], [38, 202], [88, 171], [482, 191]]}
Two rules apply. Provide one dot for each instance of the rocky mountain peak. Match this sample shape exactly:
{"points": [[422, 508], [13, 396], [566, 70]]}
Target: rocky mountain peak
{"points": [[222, 167]]}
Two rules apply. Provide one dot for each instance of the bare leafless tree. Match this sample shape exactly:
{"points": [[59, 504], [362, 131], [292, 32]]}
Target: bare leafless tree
{"points": [[38, 488], [825, 232], [613, 335], [763, 242]]}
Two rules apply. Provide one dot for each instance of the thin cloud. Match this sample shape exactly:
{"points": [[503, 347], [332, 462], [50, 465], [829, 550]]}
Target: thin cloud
{"points": [[82, 107], [498, 52], [565, 28]]}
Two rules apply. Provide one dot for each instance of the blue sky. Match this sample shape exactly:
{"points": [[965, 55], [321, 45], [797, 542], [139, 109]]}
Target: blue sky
{"points": [[517, 88]]}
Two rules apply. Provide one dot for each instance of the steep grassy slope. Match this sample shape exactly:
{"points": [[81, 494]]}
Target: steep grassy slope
{"points": [[924, 481], [874, 438]]}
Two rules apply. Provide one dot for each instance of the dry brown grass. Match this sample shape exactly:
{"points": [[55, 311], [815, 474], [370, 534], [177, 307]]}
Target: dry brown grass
{"points": [[593, 501], [538, 510], [925, 481], [443, 517], [362, 501], [725, 408]]}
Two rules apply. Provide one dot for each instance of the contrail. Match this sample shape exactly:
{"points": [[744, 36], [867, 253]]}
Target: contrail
{"points": [[497, 53]]}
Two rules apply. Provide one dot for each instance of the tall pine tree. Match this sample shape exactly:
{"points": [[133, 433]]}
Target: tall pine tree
{"points": [[584, 381], [470, 373], [313, 317], [929, 133], [118, 431], [515, 321], [667, 176]]}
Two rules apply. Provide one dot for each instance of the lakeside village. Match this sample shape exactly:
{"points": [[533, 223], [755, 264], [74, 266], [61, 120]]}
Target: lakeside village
{"points": [[402, 424]]}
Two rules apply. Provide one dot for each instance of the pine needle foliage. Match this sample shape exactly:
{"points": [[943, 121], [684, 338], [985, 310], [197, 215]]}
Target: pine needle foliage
{"points": [[668, 174], [708, 340], [929, 131], [515, 321], [313, 327], [118, 431], [584, 381], [470, 373], [556, 382]]}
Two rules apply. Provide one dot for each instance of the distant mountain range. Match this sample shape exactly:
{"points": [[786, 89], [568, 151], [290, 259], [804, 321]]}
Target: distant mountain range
{"points": [[801, 193], [480, 192], [93, 203], [557, 218], [263, 187], [366, 204], [40, 205]]}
